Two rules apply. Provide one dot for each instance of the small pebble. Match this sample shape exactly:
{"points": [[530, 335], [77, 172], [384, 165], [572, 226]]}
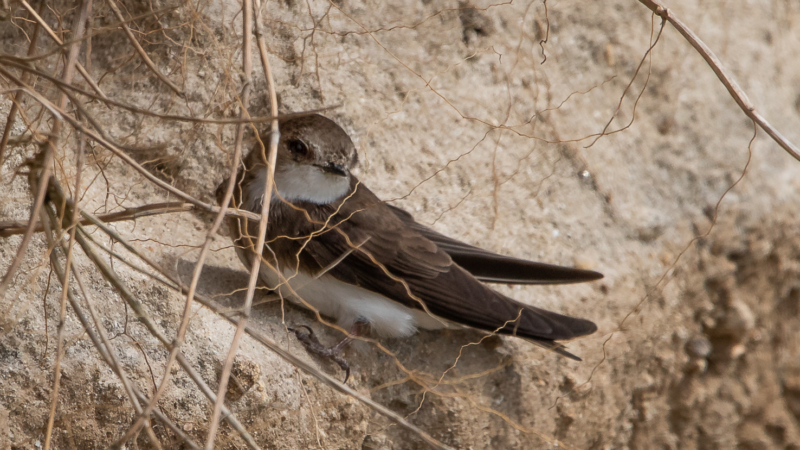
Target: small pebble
{"points": [[699, 347], [698, 365]]}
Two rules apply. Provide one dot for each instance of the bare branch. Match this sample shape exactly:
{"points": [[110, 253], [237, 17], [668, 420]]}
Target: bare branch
{"points": [[329, 380], [270, 344], [103, 344], [171, 117], [78, 26], [733, 88], [10, 228], [53, 36], [122, 155], [45, 157], [247, 68], [12, 113], [131, 300], [141, 51]]}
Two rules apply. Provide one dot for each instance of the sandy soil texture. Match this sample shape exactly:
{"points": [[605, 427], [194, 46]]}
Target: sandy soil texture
{"points": [[465, 116]]}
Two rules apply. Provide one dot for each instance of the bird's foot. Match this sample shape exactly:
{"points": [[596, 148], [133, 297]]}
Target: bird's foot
{"points": [[312, 345]]}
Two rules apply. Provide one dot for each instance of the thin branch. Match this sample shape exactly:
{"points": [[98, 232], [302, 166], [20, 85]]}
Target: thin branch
{"points": [[72, 61], [327, 379], [106, 350], [270, 344], [247, 68], [141, 51], [45, 157], [53, 36], [103, 344], [127, 159], [647, 54], [245, 98], [62, 315], [12, 113], [733, 88], [10, 228], [56, 193], [144, 318], [28, 67], [174, 350], [65, 279]]}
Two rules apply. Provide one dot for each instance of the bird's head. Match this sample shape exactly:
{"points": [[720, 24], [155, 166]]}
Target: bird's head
{"points": [[315, 156]]}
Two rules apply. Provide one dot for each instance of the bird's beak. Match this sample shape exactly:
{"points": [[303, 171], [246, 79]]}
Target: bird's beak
{"points": [[335, 169]]}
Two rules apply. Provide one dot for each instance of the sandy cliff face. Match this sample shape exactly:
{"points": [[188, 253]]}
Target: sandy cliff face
{"points": [[459, 118]]}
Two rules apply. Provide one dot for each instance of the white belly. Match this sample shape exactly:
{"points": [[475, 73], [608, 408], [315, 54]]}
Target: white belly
{"points": [[348, 303]]}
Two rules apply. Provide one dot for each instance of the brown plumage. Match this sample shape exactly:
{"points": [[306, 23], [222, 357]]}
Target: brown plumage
{"points": [[391, 256]]}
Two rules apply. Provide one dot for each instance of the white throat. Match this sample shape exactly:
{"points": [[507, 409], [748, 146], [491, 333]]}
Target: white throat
{"points": [[297, 182]]}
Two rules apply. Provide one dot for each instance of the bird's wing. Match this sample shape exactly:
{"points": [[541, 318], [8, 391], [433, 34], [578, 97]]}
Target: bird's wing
{"points": [[398, 262], [491, 267]]}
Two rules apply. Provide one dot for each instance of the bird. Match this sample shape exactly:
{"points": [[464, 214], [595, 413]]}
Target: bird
{"points": [[334, 246]]}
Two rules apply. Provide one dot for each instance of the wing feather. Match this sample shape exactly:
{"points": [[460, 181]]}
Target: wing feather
{"points": [[491, 267], [412, 265]]}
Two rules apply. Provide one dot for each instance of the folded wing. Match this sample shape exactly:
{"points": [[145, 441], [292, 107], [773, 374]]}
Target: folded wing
{"points": [[401, 263], [491, 267]]}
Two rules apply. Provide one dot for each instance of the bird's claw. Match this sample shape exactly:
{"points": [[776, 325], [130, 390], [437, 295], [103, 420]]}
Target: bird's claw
{"points": [[313, 345]]}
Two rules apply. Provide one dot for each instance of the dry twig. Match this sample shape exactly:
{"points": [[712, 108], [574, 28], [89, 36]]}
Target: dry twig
{"points": [[247, 62], [12, 113], [175, 283], [141, 51], [10, 228], [731, 85], [53, 36], [79, 26]]}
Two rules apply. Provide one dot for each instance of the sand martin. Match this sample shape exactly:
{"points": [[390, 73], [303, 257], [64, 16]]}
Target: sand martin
{"points": [[382, 271]]}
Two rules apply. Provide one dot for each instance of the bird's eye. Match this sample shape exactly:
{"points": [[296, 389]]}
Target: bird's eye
{"points": [[298, 147]]}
